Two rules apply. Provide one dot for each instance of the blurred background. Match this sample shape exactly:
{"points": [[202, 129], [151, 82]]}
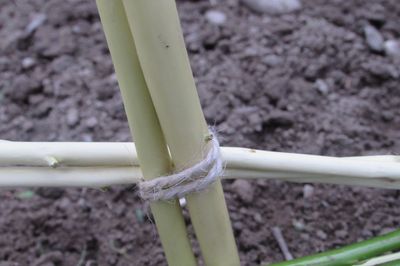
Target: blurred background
{"points": [[316, 77]]}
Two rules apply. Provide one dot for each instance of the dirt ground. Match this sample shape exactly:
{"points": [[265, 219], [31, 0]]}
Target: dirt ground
{"points": [[301, 82]]}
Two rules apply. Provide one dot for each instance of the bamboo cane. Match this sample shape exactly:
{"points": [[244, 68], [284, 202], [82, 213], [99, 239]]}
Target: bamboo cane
{"points": [[117, 163], [151, 148], [97, 176], [164, 60]]}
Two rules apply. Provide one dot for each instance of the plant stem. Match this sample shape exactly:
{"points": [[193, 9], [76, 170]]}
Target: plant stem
{"points": [[165, 63], [350, 255], [381, 260], [150, 144], [392, 263]]}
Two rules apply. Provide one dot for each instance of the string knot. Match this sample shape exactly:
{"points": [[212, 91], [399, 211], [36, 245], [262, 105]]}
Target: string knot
{"points": [[193, 179]]}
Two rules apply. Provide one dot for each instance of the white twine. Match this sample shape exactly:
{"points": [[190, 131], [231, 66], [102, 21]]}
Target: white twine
{"points": [[193, 179]]}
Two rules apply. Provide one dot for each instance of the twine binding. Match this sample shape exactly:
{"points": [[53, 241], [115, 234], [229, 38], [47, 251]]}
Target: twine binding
{"points": [[193, 179]]}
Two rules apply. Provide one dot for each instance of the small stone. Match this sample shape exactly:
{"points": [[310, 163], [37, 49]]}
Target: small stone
{"points": [[215, 17], [374, 38], [64, 203], [272, 60], [182, 202], [244, 190], [322, 87], [87, 138], [308, 191], [35, 23], [321, 234], [28, 62], [273, 6], [238, 226], [258, 218], [382, 71], [392, 48], [298, 225], [139, 215], [72, 117], [387, 116], [91, 122]]}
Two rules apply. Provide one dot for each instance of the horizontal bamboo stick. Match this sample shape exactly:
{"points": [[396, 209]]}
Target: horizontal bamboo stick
{"points": [[12, 177], [124, 154], [68, 154], [102, 164]]}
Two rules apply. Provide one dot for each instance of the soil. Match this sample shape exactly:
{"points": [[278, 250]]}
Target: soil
{"points": [[301, 82]]}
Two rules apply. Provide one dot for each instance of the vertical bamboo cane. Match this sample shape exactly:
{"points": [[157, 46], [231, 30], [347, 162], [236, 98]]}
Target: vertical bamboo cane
{"points": [[165, 64], [150, 144]]}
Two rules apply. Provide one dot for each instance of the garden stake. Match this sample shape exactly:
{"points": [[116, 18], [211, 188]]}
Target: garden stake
{"points": [[151, 148], [97, 164], [162, 54]]}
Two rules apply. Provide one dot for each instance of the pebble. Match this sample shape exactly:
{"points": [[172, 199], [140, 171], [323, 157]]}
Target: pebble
{"points": [[87, 138], [322, 87], [392, 48], [91, 122], [72, 117], [215, 17], [64, 203], [374, 38], [28, 62], [308, 191], [272, 60], [35, 23], [244, 190], [182, 202], [258, 218], [298, 225], [273, 6]]}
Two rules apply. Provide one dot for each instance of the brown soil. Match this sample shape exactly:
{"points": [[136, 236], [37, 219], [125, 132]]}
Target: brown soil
{"points": [[259, 78]]}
